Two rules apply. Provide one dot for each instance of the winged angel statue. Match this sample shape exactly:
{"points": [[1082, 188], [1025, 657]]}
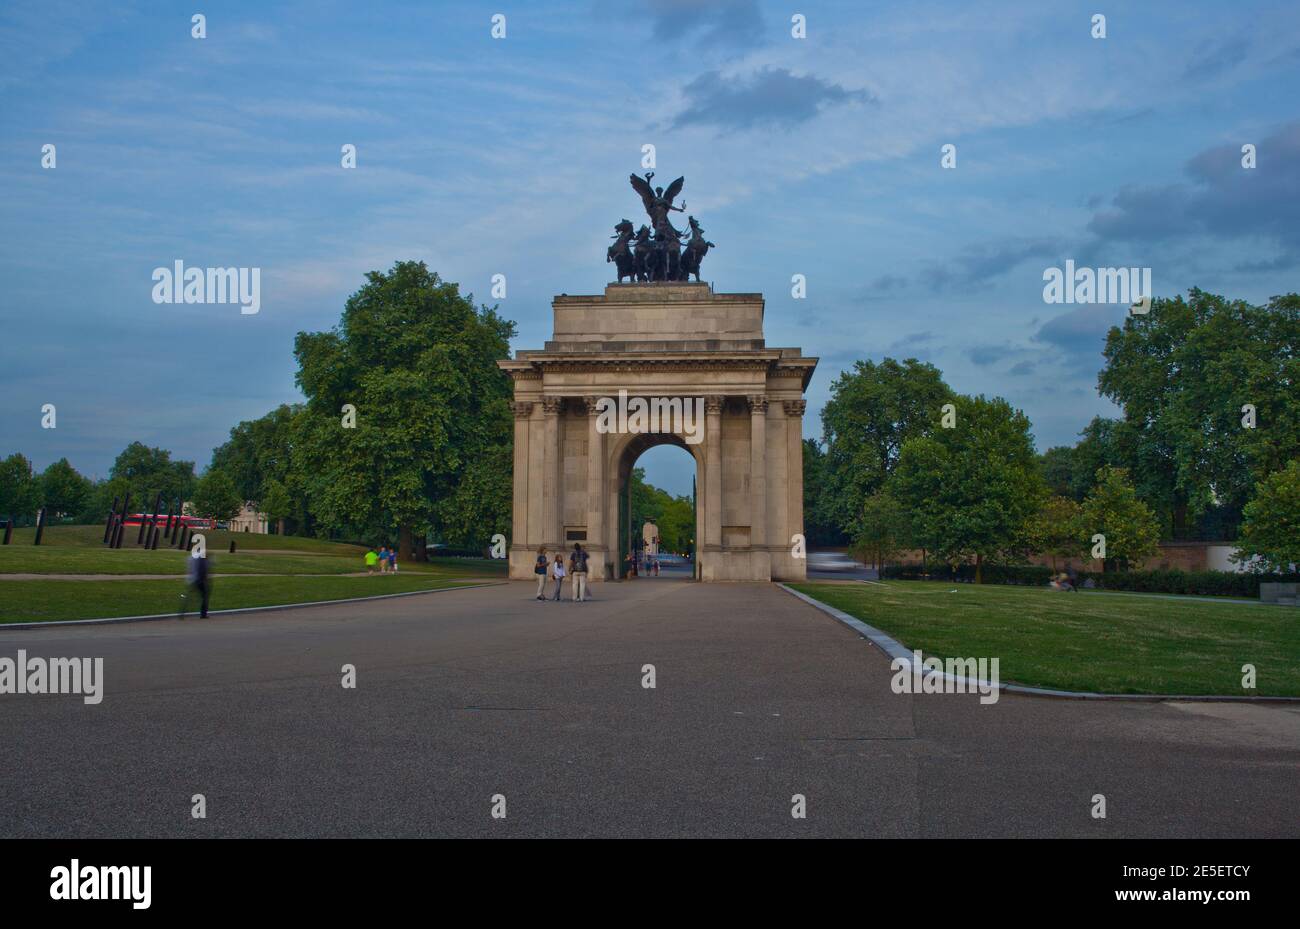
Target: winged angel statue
{"points": [[643, 257]]}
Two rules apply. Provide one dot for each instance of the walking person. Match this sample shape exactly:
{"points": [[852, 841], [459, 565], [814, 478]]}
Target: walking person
{"points": [[578, 567], [558, 572], [372, 559], [540, 570], [199, 581]]}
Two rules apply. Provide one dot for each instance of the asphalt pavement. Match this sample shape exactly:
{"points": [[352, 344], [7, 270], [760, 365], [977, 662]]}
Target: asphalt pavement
{"points": [[466, 697]]}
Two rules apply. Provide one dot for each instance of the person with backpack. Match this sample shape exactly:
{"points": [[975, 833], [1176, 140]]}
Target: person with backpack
{"points": [[540, 570], [578, 568], [558, 572]]}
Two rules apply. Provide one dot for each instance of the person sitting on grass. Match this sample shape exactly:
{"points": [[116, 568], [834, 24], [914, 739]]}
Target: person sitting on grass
{"points": [[372, 559]]}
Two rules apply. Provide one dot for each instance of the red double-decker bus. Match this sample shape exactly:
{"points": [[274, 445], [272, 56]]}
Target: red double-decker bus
{"points": [[185, 522]]}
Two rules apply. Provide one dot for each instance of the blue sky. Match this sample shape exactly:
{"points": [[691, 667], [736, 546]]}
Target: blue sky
{"points": [[817, 156]]}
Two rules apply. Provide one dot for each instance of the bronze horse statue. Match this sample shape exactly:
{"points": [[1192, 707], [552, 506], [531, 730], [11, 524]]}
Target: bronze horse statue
{"points": [[668, 248], [658, 252], [621, 253], [696, 249]]}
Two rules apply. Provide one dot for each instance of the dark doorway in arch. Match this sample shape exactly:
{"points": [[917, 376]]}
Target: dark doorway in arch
{"points": [[642, 497]]}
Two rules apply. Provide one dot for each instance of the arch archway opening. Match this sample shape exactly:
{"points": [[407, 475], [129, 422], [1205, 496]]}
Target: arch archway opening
{"points": [[658, 516]]}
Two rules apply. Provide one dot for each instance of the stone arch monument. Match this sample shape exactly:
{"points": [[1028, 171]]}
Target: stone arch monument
{"points": [[647, 343]]}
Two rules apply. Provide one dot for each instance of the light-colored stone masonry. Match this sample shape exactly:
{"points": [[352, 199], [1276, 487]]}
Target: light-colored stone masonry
{"points": [[661, 340]]}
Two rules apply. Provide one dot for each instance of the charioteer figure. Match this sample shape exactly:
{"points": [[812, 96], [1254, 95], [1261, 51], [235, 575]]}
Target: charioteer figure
{"points": [[659, 257]]}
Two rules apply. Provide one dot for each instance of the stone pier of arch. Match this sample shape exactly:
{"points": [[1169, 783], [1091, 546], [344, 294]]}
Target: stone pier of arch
{"points": [[661, 340]]}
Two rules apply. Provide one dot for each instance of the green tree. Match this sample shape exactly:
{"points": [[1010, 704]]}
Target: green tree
{"points": [[1270, 531], [674, 516], [971, 488], [1113, 509], [430, 451], [215, 496], [873, 411], [259, 451], [145, 471], [20, 492], [1057, 465], [883, 529], [1056, 530], [677, 525], [274, 501], [818, 527], [1183, 374], [63, 490]]}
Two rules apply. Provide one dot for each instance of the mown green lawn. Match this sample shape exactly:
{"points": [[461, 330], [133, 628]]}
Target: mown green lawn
{"points": [[80, 550], [291, 565], [1086, 641], [44, 601]]}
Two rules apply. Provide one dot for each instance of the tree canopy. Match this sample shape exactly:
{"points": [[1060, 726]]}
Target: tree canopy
{"points": [[1208, 388], [875, 408], [971, 489], [429, 450]]}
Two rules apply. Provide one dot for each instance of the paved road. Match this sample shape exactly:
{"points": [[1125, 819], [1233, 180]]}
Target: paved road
{"points": [[466, 694]]}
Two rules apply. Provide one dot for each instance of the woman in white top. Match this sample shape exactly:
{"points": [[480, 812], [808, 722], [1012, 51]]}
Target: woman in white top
{"points": [[558, 572]]}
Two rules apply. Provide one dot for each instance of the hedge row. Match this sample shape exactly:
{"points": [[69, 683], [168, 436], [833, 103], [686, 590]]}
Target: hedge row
{"points": [[1198, 583]]}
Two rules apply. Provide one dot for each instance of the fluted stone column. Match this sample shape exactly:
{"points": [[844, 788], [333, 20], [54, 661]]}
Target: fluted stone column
{"points": [[552, 537], [519, 522], [712, 482], [595, 492], [757, 471], [794, 410]]}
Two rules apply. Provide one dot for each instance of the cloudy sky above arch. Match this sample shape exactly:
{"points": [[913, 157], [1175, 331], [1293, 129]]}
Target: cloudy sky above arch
{"points": [[818, 157]]}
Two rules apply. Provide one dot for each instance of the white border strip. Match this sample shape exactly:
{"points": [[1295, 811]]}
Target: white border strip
{"points": [[894, 649]]}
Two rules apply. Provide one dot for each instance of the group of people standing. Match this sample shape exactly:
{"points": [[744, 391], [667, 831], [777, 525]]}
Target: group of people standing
{"points": [[555, 570], [385, 560]]}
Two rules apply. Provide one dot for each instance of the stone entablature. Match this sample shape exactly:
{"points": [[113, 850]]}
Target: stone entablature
{"points": [[661, 340]]}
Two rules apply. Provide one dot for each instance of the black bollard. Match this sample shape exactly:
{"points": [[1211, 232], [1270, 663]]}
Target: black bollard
{"points": [[40, 525], [153, 519], [121, 522], [108, 523], [232, 546], [157, 531], [9, 528]]}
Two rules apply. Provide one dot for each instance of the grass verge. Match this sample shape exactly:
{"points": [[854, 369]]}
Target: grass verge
{"points": [[44, 601], [1086, 641]]}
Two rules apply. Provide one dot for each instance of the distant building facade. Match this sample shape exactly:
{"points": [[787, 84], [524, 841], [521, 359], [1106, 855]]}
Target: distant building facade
{"points": [[250, 520]]}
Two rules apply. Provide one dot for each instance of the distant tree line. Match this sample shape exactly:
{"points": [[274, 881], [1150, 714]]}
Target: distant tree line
{"points": [[406, 435], [1208, 447]]}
